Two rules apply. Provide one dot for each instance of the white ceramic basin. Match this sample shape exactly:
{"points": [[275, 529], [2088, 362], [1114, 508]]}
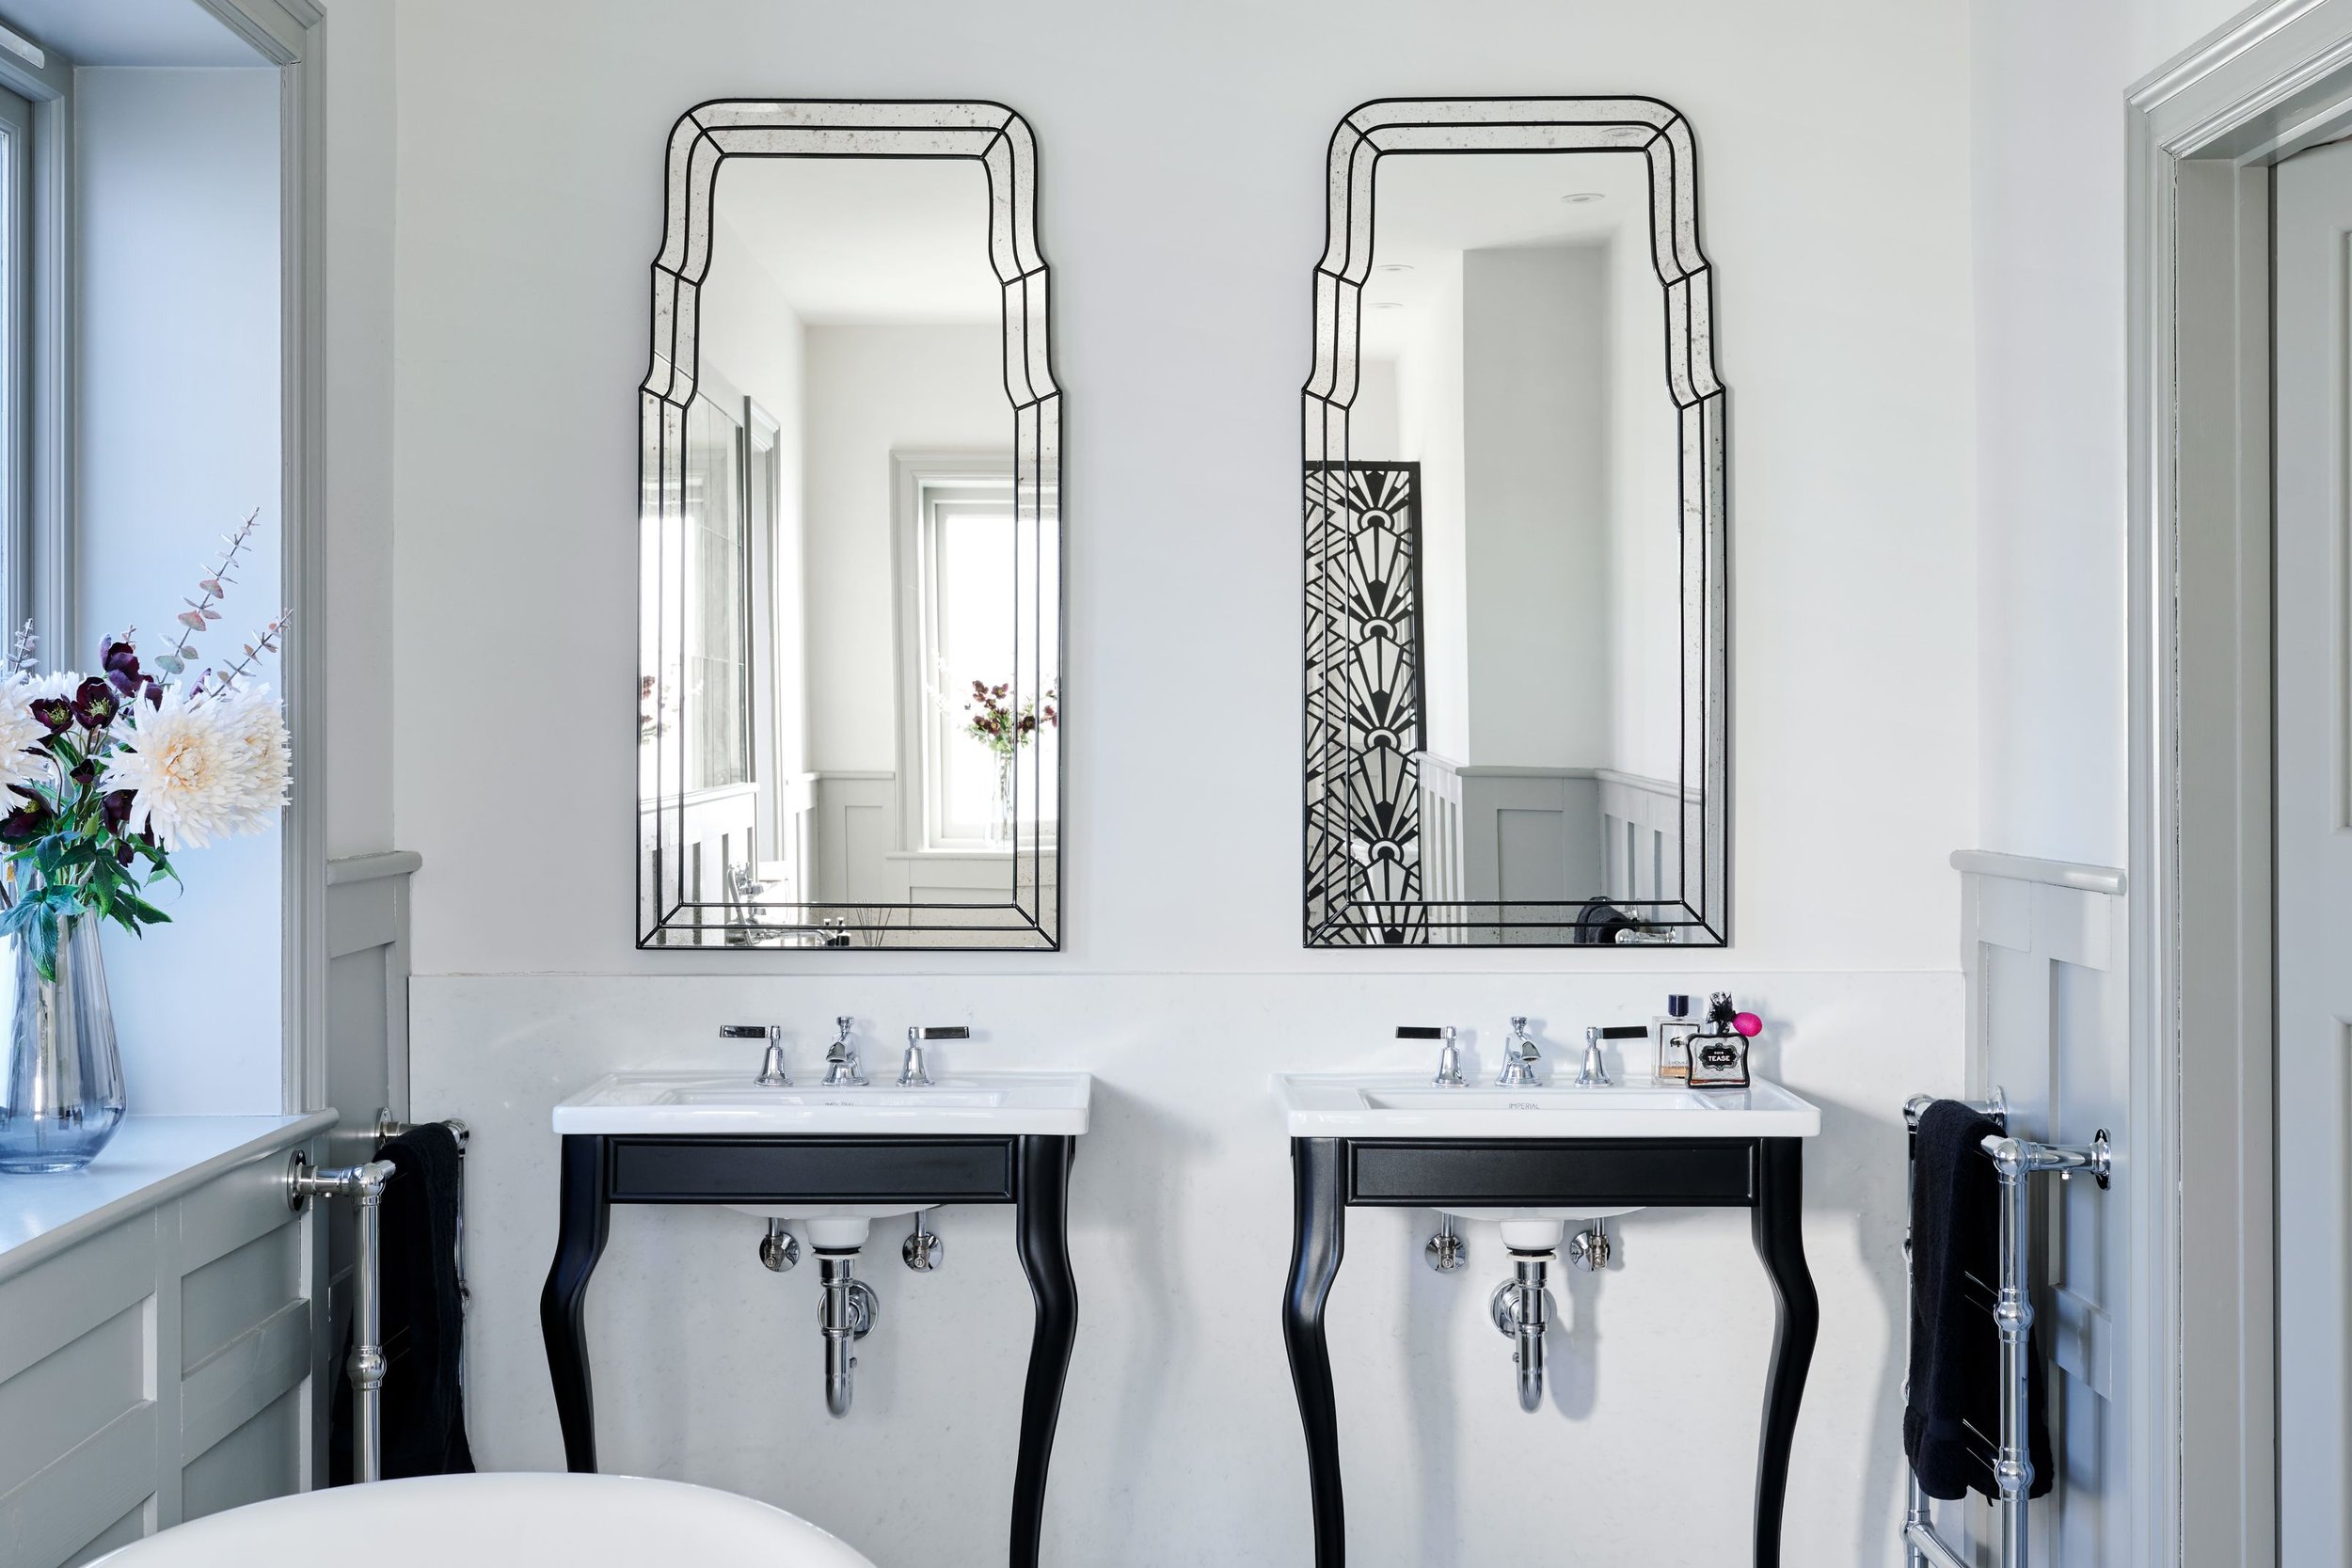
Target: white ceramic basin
{"points": [[730, 1105], [496, 1521], [682, 1104], [1406, 1105]]}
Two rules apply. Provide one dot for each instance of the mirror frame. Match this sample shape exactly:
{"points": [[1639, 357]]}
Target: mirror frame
{"points": [[1364, 786], [678, 905]]}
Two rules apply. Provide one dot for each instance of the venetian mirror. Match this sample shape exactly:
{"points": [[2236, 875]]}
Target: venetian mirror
{"points": [[1516, 576], [849, 702]]}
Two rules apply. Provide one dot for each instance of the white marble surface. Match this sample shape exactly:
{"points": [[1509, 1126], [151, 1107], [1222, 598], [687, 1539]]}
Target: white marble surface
{"points": [[1408, 1105], [149, 1161], [717, 1102]]}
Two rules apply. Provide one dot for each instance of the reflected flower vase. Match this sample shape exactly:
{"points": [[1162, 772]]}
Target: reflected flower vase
{"points": [[60, 1076], [1000, 821]]}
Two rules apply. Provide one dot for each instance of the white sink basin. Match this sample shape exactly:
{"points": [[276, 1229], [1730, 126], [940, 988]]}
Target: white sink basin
{"points": [[1405, 1105], [685, 1104]]}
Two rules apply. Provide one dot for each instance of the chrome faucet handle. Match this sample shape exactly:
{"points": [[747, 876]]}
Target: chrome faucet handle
{"points": [[1519, 1056], [1449, 1055], [1594, 1074], [910, 1073], [771, 1073], [841, 1064]]}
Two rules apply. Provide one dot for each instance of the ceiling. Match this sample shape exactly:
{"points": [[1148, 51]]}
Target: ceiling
{"points": [[866, 242], [1430, 208], [129, 32]]}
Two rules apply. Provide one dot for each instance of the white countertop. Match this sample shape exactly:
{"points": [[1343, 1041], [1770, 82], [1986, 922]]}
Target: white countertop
{"points": [[723, 1103], [1408, 1105], [150, 1161]]}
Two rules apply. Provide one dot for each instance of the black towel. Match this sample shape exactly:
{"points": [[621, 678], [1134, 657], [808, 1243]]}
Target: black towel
{"points": [[1952, 1425], [424, 1316]]}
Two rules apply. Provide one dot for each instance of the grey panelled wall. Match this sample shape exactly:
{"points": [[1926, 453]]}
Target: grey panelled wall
{"points": [[363, 1068], [208, 1288]]}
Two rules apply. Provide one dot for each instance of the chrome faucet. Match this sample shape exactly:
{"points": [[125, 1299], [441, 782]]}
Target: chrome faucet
{"points": [[910, 1073], [1594, 1074], [1449, 1055], [1519, 1057], [771, 1073], [841, 1067]]}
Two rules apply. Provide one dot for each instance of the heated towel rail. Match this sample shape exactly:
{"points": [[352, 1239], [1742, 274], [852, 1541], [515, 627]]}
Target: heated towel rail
{"points": [[2017, 1160], [364, 1185]]}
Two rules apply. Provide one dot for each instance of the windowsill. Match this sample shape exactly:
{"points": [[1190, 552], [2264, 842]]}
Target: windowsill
{"points": [[961, 854], [150, 1161]]}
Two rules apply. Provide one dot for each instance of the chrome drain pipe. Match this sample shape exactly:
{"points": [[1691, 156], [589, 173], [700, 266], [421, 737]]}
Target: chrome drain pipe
{"points": [[1522, 1316], [845, 1313]]}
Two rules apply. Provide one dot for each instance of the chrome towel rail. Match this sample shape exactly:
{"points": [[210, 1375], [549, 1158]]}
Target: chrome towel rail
{"points": [[364, 1185], [2017, 1160]]}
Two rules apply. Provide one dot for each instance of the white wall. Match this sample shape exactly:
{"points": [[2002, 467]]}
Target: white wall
{"points": [[176, 172], [873, 391], [1644, 563], [1536, 438], [1182, 209], [355, 791], [1429, 432], [2049, 185]]}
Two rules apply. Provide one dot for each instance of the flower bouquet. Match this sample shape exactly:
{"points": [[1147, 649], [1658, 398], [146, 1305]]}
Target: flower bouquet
{"points": [[991, 719], [107, 776]]}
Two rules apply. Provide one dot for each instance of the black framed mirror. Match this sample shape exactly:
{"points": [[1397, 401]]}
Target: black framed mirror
{"points": [[849, 700], [1514, 493]]}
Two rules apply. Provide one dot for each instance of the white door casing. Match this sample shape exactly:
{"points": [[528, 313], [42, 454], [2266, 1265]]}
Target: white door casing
{"points": [[2313, 294]]}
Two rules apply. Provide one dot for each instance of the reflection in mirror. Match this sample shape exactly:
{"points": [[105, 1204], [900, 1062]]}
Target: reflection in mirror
{"points": [[850, 729], [1515, 517]]}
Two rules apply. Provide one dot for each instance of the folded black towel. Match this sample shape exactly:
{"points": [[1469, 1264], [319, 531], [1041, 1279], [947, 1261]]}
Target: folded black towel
{"points": [[424, 1315], [1952, 1425]]}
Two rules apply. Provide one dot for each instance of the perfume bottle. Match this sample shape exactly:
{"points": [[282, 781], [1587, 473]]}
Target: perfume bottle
{"points": [[1674, 1029], [1719, 1052]]}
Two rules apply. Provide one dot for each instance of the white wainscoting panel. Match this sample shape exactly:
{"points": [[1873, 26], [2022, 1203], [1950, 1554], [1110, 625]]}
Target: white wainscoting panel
{"points": [[2043, 949]]}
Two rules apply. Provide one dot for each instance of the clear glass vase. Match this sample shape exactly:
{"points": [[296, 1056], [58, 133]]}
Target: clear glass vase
{"points": [[1000, 819], [61, 1090]]}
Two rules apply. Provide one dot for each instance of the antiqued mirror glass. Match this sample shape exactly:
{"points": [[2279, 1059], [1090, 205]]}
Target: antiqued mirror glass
{"points": [[1517, 600], [850, 619]]}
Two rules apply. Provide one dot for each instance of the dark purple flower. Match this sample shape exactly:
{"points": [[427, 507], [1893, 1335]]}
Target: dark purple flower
{"points": [[114, 808], [55, 712], [95, 704], [116, 658], [26, 821], [85, 773]]}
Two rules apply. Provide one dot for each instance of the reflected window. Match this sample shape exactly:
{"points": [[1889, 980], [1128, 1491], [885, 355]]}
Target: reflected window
{"points": [[716, 707], [989, 744]]}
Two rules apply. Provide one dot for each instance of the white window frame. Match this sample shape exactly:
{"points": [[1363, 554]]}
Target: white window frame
{"points": [[915, 478], [36, 408]]}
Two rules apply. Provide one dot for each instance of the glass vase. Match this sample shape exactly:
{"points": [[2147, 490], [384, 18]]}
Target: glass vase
{"points": [[1000, 820], [61, 1087]]}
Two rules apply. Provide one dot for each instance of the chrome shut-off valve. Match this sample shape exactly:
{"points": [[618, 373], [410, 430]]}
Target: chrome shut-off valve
{"points": [[779, 1249], [1447, 1250], [923, 1251]]}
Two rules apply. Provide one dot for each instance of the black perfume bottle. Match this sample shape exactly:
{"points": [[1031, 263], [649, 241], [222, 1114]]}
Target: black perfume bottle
{"points": [[1719, 1051]]}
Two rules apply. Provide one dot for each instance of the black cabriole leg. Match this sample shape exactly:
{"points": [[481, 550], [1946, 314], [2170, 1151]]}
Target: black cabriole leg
{"points": [[1041, 1223], [1780, 1242], [560, 1305], [1319, 1237]]}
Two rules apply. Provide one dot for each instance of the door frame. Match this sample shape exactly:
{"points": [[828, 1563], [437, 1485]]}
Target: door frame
{"points": [[2203, 133]]}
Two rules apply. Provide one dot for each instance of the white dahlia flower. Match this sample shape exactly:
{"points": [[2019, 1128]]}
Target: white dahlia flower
{"points": [[203, 771], [21, 761]]}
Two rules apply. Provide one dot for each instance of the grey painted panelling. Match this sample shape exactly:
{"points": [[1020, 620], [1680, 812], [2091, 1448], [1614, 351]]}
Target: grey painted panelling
{"points": [[158, 1370]]}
